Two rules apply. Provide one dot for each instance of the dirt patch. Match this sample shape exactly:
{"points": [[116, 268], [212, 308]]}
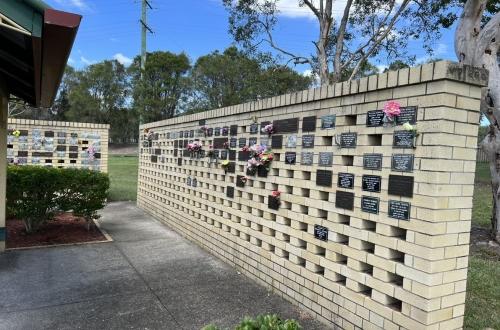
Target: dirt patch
{"points": [[64, 229], [482, 244]]}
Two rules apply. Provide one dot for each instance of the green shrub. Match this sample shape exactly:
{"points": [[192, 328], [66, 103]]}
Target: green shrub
{"points": [[36, 193], [263, 322]]}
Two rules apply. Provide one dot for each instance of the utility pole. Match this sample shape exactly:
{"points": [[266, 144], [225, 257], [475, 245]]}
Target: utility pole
{"points": [[144, 30]]}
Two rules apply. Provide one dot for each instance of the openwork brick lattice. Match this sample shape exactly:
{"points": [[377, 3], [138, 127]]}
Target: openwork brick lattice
{"points": [[372, 226], [58, 144]]}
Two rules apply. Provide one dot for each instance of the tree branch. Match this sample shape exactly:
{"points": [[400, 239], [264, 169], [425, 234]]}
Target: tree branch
{"points": [[377, 42], [313, 9]]}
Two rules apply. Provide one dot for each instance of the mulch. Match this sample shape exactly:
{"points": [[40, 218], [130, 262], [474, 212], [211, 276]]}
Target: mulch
{"points": [[64, 229]]}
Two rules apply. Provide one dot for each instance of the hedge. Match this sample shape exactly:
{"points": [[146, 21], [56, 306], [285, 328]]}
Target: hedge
{"points": [[36, 193]]}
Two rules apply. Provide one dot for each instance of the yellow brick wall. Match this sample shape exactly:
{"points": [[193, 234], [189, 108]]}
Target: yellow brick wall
{"points": [[374, 271], [57, 143]]}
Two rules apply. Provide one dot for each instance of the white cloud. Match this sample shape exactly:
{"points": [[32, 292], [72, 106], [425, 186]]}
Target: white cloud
{"points": [[86, 61], [80, 4], [441, 50], [381, 68], [315, 78], [124, 60], [71, 61]]}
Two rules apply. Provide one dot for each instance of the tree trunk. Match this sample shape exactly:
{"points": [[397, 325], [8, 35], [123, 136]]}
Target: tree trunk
{"points": [[480, 47], [324, 71]]}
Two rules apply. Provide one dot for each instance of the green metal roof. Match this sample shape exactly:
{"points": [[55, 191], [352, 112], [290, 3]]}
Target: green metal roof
{"points": [[26, 13]]}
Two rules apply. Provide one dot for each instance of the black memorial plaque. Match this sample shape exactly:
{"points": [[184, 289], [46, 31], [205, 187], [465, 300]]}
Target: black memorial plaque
{"points": [[242, 142], [240, 181], [194, 183], [254, 128], [262, 171], [372, 162], [179, 161], [154, 159], [229, 192], [243, 155], [277, 142], [176, 152], [71, 155], [49, 134], [73, 148], [400, 185], [371, 183], [273, 202], [348, 140], [345, 180], [325, 159], [217, 131], [223, 154], [233, 142], [176, 144], [290, 158], [403, 139], [233, 130], [186, 153], [402, 163], [157, 151], [231, 167], [370, 204], [290, 125], [306, 158], [374, 118], [202, 122], [22, 154], [308, 141], [191, 134], [216, 154], [219, 143], [407, 115], [324, 178], [61, 148], [252, 141], [321, 232], [225, 131], [399, 210], [185, 143], [188, 180], [344, 200], [232, 155], [186, 134], [201, 153], [46, 154], [309, 124], [328, 122], [210, 131]]}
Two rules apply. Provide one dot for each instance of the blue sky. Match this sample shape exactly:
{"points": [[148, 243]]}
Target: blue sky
{"points": [[110, 29]]}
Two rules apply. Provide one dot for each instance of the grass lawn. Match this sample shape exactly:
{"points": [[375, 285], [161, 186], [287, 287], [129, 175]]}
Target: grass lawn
{"points": [[123, 177], [483, 287], [482, 308]]}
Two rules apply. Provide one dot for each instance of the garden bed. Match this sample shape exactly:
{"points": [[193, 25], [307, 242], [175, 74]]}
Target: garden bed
{"points": [[64, 229]]}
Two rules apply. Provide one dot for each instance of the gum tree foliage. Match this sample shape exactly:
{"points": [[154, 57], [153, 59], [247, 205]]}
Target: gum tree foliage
{"points": [[156, 96], [365, 29], [477, 43], [233, 77]]}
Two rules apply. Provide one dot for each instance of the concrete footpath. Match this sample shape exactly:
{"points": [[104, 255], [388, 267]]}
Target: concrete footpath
{"points": [[149, 277]]}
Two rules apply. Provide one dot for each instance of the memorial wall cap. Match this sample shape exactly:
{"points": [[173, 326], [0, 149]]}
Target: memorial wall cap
{"points": [[35, 43]]}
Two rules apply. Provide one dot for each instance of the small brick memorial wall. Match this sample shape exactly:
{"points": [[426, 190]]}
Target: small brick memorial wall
{"points": [[57, 144], [370, 229]]}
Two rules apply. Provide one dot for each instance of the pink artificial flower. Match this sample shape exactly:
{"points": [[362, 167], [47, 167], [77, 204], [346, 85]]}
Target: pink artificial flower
{"points": [[392, 109], [245, 149], [276, 193]]}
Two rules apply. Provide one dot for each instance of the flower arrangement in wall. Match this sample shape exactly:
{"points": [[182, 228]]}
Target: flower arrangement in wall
{"points": [[225, 165], [91, 153], [149, 134], [194, 148], [211, 155], [268, 129], [260, 160], [392, 109], [413, 129], [16, 133], [274, 200], [226, 145]]}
